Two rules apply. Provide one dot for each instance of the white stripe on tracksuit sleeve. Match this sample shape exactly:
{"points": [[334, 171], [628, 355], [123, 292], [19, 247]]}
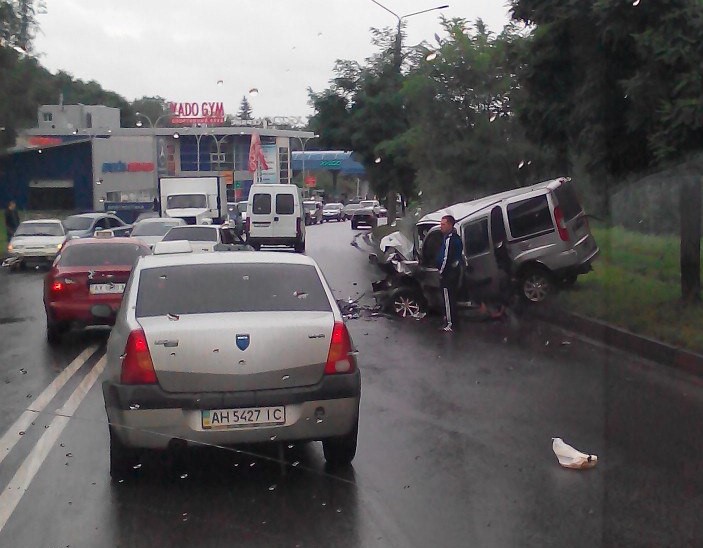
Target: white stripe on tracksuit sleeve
{"points": [[446, 255]]}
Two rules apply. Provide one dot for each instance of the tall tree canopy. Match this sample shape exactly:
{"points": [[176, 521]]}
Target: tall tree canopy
{"points": [[617, 86]]}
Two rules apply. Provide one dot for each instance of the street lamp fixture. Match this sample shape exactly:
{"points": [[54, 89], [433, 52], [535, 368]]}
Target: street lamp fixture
{"points": [[151, 124]]}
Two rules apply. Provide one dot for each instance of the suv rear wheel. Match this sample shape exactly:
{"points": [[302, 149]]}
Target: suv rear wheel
{"points": [[299, 247], [536, 284]]}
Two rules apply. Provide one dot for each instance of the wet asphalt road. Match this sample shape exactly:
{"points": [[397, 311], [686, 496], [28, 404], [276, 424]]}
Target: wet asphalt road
{"points": [[454, 444]]}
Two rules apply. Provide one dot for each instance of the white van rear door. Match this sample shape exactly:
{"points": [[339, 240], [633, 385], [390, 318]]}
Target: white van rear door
{"points": [[262, 214], [285, 210]]}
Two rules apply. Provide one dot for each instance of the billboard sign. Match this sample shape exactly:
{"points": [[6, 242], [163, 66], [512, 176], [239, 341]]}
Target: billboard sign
{"points": [[206, 112]]}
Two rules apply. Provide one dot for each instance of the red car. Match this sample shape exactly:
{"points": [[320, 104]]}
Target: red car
{"points": [[85, 284]]}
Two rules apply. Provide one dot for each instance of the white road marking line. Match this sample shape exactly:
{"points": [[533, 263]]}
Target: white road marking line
{"points": [[13, 493], [12, 436]]}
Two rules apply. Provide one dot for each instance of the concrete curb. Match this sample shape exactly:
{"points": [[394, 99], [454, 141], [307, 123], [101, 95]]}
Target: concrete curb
{"points": [[617, 337]]}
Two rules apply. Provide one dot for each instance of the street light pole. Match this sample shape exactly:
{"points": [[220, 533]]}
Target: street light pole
{"points": [[397, 63], [302, 145]]}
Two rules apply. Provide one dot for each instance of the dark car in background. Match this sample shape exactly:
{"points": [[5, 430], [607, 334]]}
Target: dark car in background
{"points": [[84, 225], [366, 216]]}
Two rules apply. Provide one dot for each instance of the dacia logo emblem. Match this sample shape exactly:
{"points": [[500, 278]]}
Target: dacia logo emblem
{"points": [[242, 341]]}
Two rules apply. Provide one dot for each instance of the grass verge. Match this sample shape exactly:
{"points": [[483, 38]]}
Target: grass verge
{"points": [[636, 285]]}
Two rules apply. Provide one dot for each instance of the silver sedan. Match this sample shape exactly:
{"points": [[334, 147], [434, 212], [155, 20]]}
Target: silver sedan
{"points": [[228, 348]]}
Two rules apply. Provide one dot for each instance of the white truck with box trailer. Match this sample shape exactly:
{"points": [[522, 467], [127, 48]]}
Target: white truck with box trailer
{"points": [[196, 200]]}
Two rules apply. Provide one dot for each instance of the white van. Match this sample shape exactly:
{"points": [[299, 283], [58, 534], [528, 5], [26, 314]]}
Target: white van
{"points": [[275, 216]]}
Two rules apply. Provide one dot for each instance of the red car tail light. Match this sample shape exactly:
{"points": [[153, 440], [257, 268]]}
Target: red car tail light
{"points": [[57, 286], [137, 367], [561, 225], [340, 358]]}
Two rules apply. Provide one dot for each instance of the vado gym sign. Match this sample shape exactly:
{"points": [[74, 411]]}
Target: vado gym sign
{"points": [[197, 113]]}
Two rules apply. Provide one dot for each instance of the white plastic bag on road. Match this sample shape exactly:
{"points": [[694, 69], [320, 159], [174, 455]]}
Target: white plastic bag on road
{"points": [[570, 457]]}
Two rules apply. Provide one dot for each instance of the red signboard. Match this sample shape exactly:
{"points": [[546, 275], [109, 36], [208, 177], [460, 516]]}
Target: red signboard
{"points": [[310, 181], [44, 141], [206, 112]]}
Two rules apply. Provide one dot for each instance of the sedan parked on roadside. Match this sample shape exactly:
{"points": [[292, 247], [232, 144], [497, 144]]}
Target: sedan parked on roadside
{"points": [[85, 284], [35, 242], [259, 352]]}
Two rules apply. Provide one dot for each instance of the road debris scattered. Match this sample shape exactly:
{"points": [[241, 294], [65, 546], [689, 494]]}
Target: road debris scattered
{"points": [[570, 457]]}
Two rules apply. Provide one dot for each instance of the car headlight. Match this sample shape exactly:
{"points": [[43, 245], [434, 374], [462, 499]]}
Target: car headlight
{"points": [[9, 247], [59, 246]]}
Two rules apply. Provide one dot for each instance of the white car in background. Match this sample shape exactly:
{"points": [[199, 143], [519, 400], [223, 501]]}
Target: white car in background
{"points": [[201, 237], [36, 241], [153, 229], [227, 349], [332, 211]]}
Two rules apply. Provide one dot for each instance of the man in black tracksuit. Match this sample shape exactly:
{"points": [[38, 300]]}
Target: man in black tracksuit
{"points": [[449, 263]]}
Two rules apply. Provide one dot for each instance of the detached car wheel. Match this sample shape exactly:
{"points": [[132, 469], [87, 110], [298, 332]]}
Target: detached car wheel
{"points": [[407, 303], [340, 451], [537, 284]]}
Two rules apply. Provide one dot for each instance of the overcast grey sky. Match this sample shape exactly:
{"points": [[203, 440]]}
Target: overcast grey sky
{"points": [[180, 49]]}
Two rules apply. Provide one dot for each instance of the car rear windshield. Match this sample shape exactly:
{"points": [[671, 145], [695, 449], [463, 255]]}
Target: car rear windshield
{"points": [[77, 223], [333, 206], [99, 254], [568, 201], [230, 288], [152, 229], [192, 234], [40, 229]]}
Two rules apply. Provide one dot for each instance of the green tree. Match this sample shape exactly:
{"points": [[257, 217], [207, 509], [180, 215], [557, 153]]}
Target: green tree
{"points": [[617, 86], [465, 139], [245, 111], [363, 110], [155, 108]]}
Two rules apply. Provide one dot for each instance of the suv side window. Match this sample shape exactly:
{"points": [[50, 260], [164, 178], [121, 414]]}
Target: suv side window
{"points": [[528, 217], [476, 237], [430, 248], [261, 205], [285, 205]]}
